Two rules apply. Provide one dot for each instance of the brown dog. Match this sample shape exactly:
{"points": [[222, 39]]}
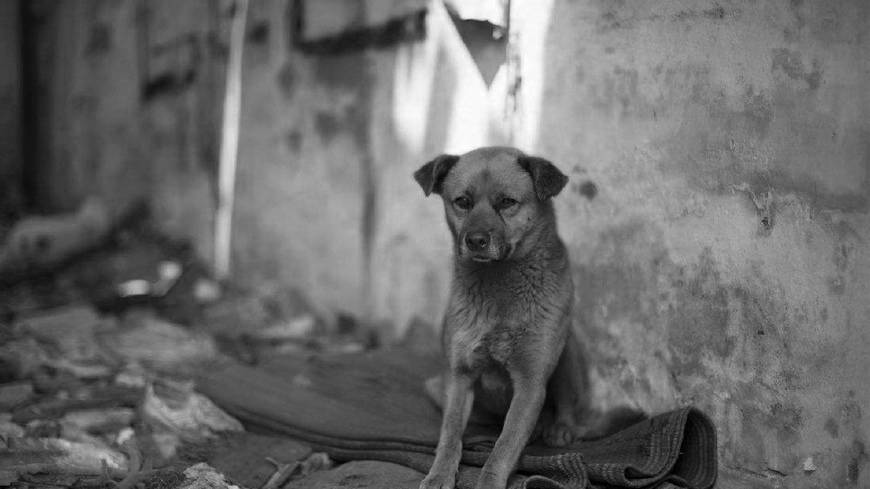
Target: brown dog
{"points": [[507, 330]]}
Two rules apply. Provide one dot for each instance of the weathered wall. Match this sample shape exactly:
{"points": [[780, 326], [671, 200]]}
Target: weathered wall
{"points": [[721, 258], [724, 260], [131, 96], [97, 131], [327, 142], [10, 101]]}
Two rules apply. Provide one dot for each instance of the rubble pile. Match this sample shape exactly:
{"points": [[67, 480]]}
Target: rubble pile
{"points": [[99, 339]]}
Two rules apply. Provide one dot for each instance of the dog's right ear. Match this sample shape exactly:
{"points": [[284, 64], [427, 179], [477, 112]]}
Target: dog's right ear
{"points": [[431, 175]]}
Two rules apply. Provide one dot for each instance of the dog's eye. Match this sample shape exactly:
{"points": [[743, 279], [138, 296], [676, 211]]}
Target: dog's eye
{"points": [[462, 202], [506, 203]]}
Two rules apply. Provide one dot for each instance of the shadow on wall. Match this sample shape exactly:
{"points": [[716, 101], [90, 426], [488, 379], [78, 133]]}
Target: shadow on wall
{"points": [[430, 99], [722, 261]]}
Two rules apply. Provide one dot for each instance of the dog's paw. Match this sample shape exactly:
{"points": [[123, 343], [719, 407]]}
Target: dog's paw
{"points": [[561, 434], [437, 481]]}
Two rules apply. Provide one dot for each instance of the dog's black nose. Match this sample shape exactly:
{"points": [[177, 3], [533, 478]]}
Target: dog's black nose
{"points": [[477, 241]]}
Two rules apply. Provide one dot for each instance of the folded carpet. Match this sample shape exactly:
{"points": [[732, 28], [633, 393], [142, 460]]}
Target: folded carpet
{"points": [[372, 406]]}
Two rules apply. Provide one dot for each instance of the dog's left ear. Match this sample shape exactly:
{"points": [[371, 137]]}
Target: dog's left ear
{"points": [[431, 175], [548, 180]]}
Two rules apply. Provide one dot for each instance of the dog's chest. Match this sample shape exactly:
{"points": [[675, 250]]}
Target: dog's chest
{"points": [[480, 345], [492, 318]]}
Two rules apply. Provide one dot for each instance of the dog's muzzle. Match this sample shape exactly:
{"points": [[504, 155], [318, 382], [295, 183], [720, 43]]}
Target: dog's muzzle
{"points": [[484, 247]]}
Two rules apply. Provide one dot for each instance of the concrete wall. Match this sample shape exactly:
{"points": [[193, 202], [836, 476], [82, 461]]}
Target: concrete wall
{"points": [[724, 259], [327, 143], [98, 133], [10, 100], [721, 256]]}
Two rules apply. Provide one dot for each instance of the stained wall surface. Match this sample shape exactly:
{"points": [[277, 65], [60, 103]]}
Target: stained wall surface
{"points": [[724, 260]]}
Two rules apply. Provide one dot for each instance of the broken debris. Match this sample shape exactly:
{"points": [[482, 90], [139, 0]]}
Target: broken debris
{"points": [[15, 394], [159, 344], [93, 356], [59, 456], [204, 476], [42, 241], [176, 414]]}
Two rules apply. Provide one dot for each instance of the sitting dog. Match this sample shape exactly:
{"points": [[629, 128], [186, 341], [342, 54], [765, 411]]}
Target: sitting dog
{"points": [[507, 333]]}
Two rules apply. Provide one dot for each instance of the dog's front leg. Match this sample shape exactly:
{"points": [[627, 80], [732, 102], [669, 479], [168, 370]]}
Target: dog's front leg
{"points": [[526, 404], [457, 408]]}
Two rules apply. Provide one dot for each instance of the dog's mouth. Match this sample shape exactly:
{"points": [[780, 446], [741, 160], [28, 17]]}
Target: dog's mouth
{"points": [[492, 255]]}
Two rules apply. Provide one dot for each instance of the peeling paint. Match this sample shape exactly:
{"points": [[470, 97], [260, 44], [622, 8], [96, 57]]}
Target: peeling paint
{"points": [[700, 299], [587, 189], [327, 125], [716, 13], [832, 427], [293, 140], [789, 62], [857, 461], [287, 80]]}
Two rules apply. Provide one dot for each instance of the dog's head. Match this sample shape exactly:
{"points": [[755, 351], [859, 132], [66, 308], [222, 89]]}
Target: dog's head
{"points": [[497, 200]]}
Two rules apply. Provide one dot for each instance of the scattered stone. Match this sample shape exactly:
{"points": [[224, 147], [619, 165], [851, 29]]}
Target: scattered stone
{"points": [[100, 420], [71, 432], [71, 330], [203, 476], [133, 375], [21, 358], [14, 395], [134, 288], [91, 398], [363, 474], [234, 315], [176, 413], [206, 291], [124, 435], [159, 344], [81, 370], [315, 463], [168, 272], [55, 382], [8, 477], [249, 459], [43, 428], [245, 312], [42, 241], [295, 329], [59, 456], [8, 429]]}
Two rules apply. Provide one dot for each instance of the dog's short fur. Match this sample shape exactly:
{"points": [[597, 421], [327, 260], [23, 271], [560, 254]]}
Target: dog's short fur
{"points": [[507, 333]]}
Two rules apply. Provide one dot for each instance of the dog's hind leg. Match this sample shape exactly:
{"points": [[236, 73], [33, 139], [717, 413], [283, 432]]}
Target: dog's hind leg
{"points": [[434, 388], [568, 392]]}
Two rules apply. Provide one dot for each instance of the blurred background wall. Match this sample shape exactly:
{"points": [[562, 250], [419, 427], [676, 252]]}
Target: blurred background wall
{"points": [[11, 100], [717, 215]]}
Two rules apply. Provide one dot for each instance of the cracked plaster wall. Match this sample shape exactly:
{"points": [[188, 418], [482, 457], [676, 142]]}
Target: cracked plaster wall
{"points": [[725, 258]]}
